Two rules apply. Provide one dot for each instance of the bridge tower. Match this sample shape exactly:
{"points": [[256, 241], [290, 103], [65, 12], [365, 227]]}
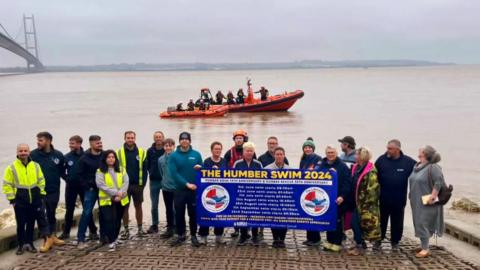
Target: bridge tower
{"points": [[30, 31]]}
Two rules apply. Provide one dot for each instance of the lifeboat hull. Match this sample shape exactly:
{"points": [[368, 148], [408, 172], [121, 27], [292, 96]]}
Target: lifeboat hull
{"points": [[282, 102], [216, 112]]}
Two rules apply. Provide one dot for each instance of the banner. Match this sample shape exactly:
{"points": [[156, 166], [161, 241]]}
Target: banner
{"points": [[293, 199]]}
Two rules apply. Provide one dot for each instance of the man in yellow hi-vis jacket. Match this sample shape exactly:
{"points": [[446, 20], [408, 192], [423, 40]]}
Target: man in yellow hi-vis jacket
{"points": [[24, 186]]}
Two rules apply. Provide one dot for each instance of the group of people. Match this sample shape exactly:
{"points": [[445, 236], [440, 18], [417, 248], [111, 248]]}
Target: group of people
{"points": [[206, 99], [370, 195]]}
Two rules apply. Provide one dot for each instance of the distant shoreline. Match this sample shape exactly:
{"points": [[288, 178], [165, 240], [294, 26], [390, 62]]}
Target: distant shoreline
{"points": [[142, 67]]}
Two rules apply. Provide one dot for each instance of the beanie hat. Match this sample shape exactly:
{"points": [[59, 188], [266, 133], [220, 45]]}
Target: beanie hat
{"points": [[185, 135], [309, 142]]}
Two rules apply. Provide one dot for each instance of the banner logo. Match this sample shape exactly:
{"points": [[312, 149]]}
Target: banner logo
{"points": [[315, 201], [215, 198]]}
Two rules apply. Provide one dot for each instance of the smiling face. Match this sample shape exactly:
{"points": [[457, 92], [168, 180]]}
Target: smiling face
{"points": [[272, 144], [184, 143], [248, 153], [74, 145], [23, 151], [43, 143], [307, 150], [331, 154], [96, 146], [130, 139], [158, 138], [217, 150], [239, 140], [279, 157], [168, 148], [111, 159]]}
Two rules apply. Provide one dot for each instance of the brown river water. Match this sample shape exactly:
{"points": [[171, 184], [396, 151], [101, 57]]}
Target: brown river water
{"points": [[418, 105]]}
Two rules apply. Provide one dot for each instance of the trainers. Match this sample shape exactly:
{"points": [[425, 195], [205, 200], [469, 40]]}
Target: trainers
{"points": [[112, 247], [242, 241], [395, 246], [64, 236], [152, 229], [377, 245], [219, 240], [281, 244], [235, 233], [204, 240], [140, 231], [178, 241], [82, 245], [195, 242], [30, 248], [167, 234], [256, 241], [332, 247], [93, 237], [275, 243], [311, 243], [125, 234], [118, 241], [19, 250]]}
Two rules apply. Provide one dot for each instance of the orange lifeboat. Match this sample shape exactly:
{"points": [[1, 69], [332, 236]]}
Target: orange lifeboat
{"points": [[216, 111]]}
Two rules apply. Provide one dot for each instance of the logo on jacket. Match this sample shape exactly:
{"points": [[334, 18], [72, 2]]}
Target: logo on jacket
{"points": [[215, 198], [314, 201], [56, 160], [70, 163]]}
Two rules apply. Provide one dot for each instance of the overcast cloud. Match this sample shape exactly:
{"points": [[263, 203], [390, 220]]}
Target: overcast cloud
{"points": [[90, 32]]}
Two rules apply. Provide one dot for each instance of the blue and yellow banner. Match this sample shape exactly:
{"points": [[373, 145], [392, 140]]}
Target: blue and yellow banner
{"points": [[294, 199]]}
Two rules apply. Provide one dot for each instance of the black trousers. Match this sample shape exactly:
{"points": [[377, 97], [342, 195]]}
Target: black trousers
{"points": [[203, 231], [396, 214], [335, 237], [313, 236], [51, 203], [185, 199], [279, 234], [72, 191], [169, 207], [25, 216], [111, 221], [244, 232]]}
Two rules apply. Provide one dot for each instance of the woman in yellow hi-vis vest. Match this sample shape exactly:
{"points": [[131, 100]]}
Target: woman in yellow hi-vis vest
{"points": [[112, 183]]}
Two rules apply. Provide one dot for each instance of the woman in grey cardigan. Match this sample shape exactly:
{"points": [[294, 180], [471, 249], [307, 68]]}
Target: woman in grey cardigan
{"points": [[428, 217]]}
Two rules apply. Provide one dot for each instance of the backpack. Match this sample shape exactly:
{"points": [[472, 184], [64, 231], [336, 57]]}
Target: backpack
{"points": [[445, 192]]}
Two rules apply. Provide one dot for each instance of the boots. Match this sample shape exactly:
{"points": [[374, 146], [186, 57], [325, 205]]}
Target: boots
{"points": [[56, 241], [47, 245]]}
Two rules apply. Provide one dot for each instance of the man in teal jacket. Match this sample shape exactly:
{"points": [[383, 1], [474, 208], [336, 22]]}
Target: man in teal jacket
{"points": [[183, 165]]}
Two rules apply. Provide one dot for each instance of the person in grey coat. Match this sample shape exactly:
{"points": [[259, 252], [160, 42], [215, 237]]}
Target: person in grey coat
{"points": [[428, 217]]}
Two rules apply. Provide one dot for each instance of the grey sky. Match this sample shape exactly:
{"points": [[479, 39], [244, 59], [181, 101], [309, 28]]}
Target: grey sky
{"points": [[86, 32]]}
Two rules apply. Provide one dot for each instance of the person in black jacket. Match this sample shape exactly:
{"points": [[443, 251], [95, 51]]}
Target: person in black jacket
{"points": [[393, 168], [73, 188], [344, 190], [268, 157], [52, 163], [87, 168], [153, 154]]}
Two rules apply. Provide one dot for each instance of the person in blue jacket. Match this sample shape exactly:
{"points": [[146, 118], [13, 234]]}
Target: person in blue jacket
{"points": [[393, 168], [309, 161], [214, 162], [344, 190], [248, 162], [52, 163], [183, 165]]}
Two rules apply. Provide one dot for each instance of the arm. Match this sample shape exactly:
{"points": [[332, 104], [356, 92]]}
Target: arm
{"points": [[145, 171], [159, 164], [438, 181], [100, 181], [124, 187], [8, 187], [40, 180], [172, 167]]}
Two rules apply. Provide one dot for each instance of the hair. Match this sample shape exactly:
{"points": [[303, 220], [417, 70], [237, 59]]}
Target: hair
{"points": [[272, 138], [431, 155], [364, 153], [94, 138], [129, 132], [158, 131], [45, 134], [215, 143], [249, 145], [330, 147], [279, 149], [103, 161], [396, 143], [76, 138], [169, 141]]}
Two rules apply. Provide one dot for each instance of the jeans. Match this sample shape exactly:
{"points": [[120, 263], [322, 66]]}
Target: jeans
{"points": [[185, 199], [279, 234], [111, 221], [91, 197], [72, 191], [395, 213], [155, 188], [51, 203], [313, 236], [356, 228]]}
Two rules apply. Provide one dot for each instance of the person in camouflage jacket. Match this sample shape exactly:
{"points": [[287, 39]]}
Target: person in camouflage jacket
{"points": [[366, 219]]}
